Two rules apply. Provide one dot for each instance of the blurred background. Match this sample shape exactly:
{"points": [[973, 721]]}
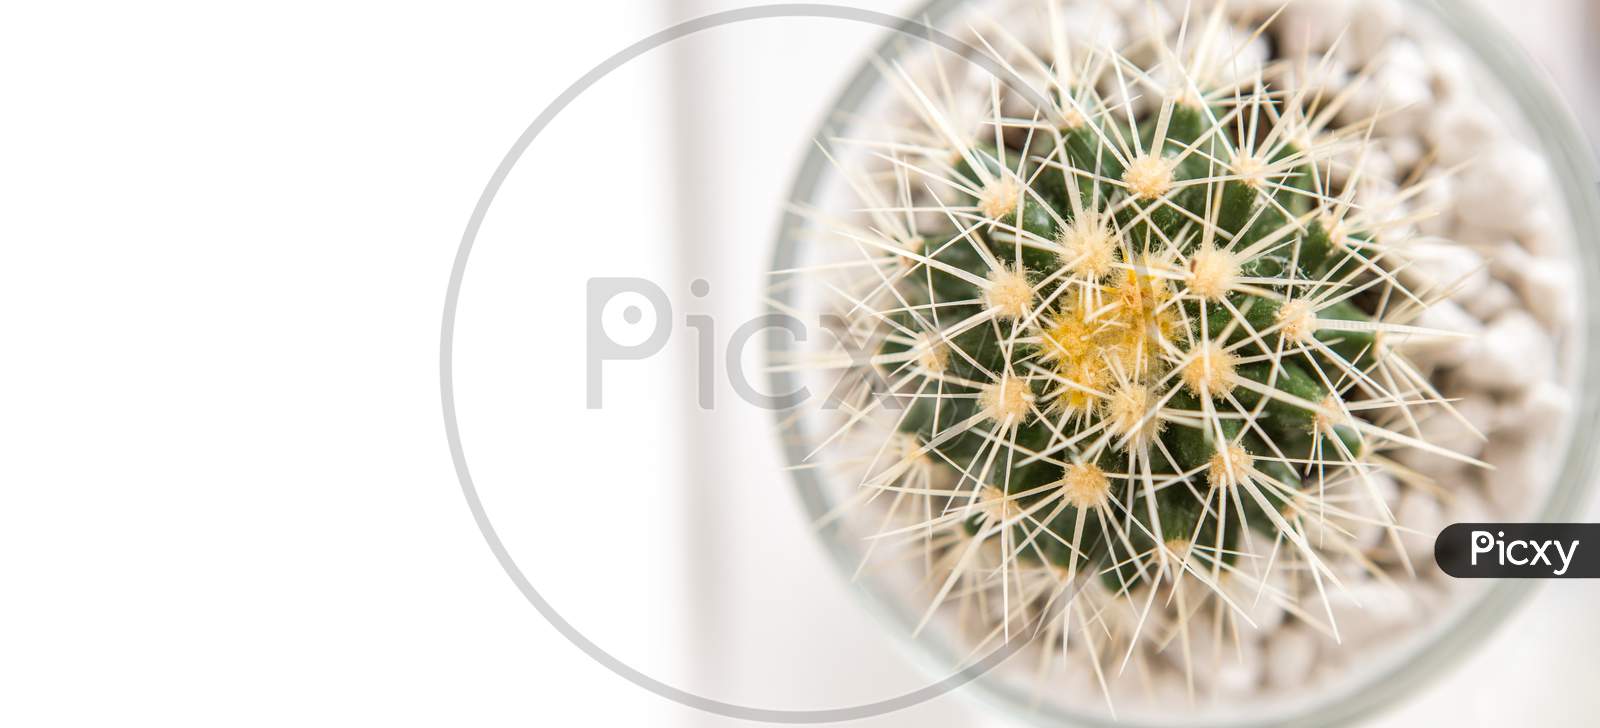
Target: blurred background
{"points": [[227, 495]]}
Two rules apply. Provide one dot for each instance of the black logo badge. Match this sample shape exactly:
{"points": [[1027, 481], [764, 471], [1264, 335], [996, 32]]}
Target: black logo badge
{"points": [[1519, 550]]}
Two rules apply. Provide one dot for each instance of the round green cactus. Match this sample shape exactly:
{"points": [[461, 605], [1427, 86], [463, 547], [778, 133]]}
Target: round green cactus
{"points": [[1129, 297]]}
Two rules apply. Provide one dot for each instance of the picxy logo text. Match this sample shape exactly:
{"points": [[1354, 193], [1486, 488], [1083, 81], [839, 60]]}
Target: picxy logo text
{"points": [[1518, 551]]}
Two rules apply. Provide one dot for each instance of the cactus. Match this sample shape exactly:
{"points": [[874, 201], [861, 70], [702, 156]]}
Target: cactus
{"points": [[1131, 337]]}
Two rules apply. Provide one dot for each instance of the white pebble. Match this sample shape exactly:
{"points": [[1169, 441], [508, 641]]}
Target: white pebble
{"points": [[1491, 301], [1376, 191], [1406, 151], [1225, 667], [1319, 74], [1146, 21], [1451, 78], [1311, 27], [1521, 467], [1094, 26], [1451, 433], [1366, 612], [1437, 199], [1499, 188], [1540, 233], [1423, 517], [1267, 612], [1462, 432], [1372, 512], [1244, 56], [1075, 676], [1549, 289], [1539, 412], [1438, 267], [1431, 594], [1467, 506], [1447, 351], [1546, 286], [1509, 259], [1360, 522], [1460, 129], [1480, 415], [1248, 10], [1263, 604], [1539, 219], [1151, 683], [1512, 354], [1290, 654], [1405, 95], [1373, 27], [1484, 239]]}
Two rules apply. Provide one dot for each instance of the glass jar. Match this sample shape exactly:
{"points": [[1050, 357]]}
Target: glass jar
{"points": [[1431, 652]]}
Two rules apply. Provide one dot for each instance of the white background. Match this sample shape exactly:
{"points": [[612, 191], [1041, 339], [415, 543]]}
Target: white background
{"points": [[226, 496]]}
